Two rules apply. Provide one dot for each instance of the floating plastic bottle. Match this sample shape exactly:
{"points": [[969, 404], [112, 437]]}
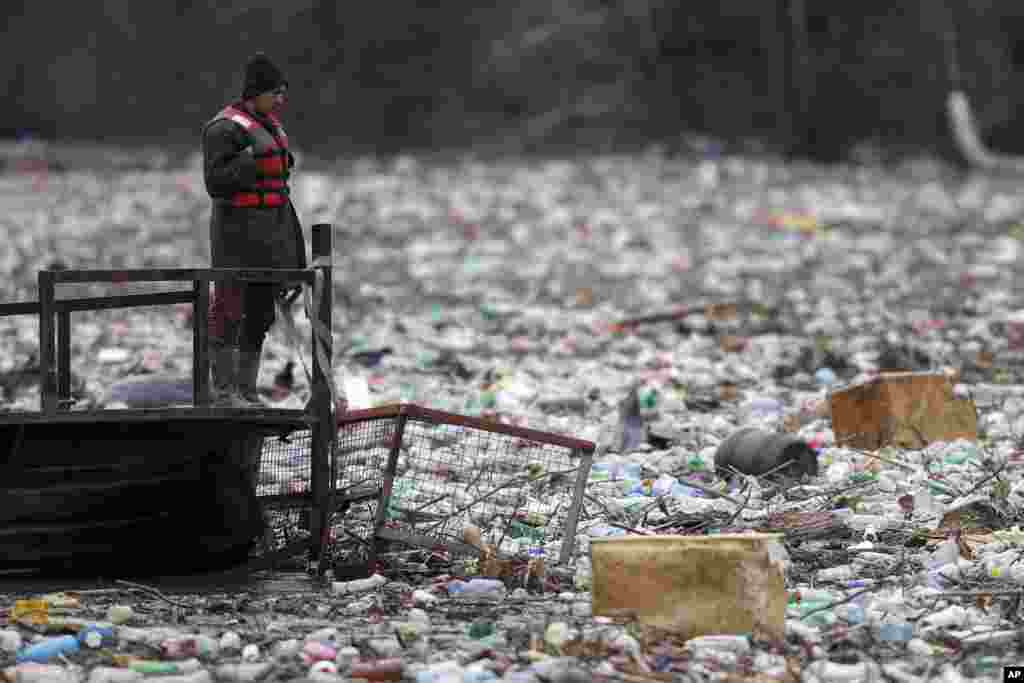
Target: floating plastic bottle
{"points": [[761, 408], [323, 668], [478, 589], [843, 572], [358, 586], [737, 644], [191, 646], [230, 641], [244, 672], [583, 575], [346, 656], [315, 651], [851, 612], [896, 632], [48, 649], [154, 667], [120, 614], [251, 653], [31, 672], [110, 674], [10, 640], [379, 670], [825, 377], [201, 676], [95, 636]]}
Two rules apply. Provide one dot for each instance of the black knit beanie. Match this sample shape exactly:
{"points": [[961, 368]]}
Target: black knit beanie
{"points": [[261, 76]]}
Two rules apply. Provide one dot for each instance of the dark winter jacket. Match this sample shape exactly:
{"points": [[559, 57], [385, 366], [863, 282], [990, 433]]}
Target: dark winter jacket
{"points": [[246, 236]]}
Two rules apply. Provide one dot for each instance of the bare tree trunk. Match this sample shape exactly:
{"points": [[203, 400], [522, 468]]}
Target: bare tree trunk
{"points": [[962, 122], [793, 15], [969, 142]]}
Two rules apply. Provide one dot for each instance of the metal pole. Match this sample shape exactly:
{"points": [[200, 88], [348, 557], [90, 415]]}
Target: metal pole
{"points": [[200, 338], [795, 73], [324, 429], [47, 378], [572, 517], [390, 471], [63, 356]]}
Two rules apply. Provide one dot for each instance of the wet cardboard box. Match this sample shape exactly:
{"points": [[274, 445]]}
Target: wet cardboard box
{"points": [[903, 409]]}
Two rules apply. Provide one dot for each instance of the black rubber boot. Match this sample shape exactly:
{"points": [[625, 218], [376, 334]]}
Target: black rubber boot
{"points": [[224, 373], [248, 372]]}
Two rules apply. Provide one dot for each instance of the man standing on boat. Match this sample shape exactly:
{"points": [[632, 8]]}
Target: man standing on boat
{"points": [[246, 165]]}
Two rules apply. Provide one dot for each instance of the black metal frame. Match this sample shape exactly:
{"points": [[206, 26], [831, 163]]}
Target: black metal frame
{"points": [[55, 357]]}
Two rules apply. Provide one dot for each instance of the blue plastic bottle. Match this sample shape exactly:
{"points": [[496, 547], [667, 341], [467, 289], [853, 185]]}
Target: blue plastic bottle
{"points": [[45, 650]]}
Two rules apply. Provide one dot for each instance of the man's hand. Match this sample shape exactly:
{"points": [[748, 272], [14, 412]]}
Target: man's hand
{"points": [[288, 295]]}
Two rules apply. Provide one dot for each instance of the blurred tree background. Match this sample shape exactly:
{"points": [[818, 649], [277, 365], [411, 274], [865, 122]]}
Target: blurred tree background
{"points": [[815, 76]]}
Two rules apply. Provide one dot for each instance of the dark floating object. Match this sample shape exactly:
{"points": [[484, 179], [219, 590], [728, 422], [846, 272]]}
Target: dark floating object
{"points": [[754, 451]]}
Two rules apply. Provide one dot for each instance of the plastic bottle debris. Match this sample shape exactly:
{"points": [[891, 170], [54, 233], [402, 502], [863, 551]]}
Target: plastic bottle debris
{"points": [[379, 670], [314, 651], [109, 674], [32, 672], [251, 653], [192, 646], [359, 585], [841, 573], [244, 672], [95, 636], [736, 644], [323, 668], [840, 277], [833, 671], [10, 640], [48, 649], [201, 676], [230, 642], [898, 632], [424, 598], [152, 667], [283, 649], [478, 589], [120, 614], [346, 656]]}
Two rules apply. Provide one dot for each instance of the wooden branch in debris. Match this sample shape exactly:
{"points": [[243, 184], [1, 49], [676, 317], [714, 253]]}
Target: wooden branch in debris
{"points": [[515, 481]]}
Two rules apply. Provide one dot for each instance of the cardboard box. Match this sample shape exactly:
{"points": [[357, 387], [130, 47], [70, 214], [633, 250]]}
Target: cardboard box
{"points": [[904, 409], [692, 585]]}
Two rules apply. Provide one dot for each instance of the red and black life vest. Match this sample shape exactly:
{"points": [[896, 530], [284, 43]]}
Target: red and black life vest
{"points": [[270, 149]]}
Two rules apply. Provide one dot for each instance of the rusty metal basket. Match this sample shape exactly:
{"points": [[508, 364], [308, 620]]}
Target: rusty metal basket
{"points": [[440, 472]]}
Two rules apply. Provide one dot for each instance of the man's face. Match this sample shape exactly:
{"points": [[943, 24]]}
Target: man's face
{"points": [[270, 101]]}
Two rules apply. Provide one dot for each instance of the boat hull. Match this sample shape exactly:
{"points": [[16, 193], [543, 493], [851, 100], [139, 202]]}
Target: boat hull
{"points": [[130, 494]]}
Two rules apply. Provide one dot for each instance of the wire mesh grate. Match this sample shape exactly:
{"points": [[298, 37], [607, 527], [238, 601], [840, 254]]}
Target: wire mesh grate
{"points": [[435, 474], [361, 454], [285, 465], [283, 486], [452, 472]]}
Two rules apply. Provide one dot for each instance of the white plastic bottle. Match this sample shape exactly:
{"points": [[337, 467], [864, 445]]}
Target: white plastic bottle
{"points": [[358, 586], [843, 572], [480, 589]]}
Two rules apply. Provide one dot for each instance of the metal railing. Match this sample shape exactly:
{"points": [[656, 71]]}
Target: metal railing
{"points": [[55, 353]]}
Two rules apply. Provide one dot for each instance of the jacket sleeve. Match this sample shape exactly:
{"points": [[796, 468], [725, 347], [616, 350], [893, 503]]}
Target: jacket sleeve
{"points": [[228, 163]]}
